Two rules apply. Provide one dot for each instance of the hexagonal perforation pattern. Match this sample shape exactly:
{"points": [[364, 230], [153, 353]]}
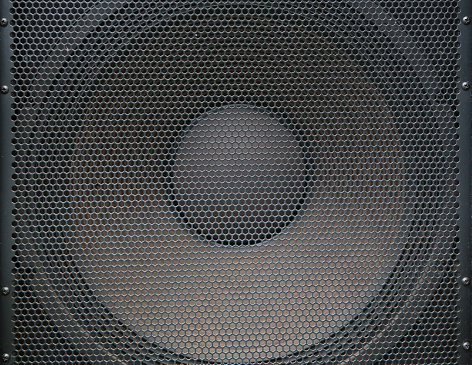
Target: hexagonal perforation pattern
{"points": [[235, 182]]}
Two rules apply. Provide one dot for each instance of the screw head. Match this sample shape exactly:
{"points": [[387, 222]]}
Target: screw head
{"points": [[4, 89], [6, 357], [466, 85], [3, 22], [466, 20], [5, 290], [466, 345], [465, 280]]}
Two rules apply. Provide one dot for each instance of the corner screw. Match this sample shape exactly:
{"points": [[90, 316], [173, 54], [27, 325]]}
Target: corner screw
{"points": [[466, 20], [466, 85], [466, 345], [6, 357], [465, 280], [5, 290], [3, 22], [4, 89]]}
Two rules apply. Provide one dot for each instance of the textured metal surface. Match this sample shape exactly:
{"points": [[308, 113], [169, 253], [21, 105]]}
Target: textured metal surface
{"points": [[235, 182]]}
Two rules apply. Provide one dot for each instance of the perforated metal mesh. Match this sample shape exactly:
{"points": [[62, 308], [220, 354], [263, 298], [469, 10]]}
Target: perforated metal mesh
{"points": [[235, 182]]}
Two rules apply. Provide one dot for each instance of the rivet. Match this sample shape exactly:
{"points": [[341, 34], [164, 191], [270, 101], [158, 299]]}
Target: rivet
{"points": [[465, 280], [5, 290], [4, 89], [466, 85], [466, 345], [3, 22], [466, 20], [6, 357]]}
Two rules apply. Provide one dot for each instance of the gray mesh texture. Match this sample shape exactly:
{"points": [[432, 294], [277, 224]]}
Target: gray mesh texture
{"points": [[235, 182]]}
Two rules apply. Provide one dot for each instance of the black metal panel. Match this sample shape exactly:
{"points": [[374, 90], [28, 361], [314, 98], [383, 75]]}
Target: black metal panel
{"points": [[6, 186], [238, 182], [464, 177]]}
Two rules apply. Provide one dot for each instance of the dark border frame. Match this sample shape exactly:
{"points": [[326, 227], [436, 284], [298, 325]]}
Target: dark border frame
{"points": [[464, 120], [464, 176], [6, 186]]}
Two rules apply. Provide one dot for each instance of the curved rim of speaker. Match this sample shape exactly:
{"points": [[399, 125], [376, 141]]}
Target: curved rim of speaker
{"points": [[78, 318]]}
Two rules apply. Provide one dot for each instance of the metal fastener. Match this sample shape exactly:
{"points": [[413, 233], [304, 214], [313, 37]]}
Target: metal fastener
{"points": [[3, 22], [5, 290], [4, 89], [6, 357], [466, 20], [466, 85], [466, 345], [465, 280]]}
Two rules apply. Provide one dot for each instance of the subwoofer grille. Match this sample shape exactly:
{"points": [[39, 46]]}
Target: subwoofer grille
{"points": [[235, 182]]}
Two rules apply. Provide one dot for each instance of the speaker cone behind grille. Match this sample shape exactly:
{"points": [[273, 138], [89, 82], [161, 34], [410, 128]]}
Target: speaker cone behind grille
{"points": [[251, 230], [238, 183]]}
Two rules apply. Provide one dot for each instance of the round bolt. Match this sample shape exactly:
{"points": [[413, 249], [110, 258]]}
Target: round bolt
{"points": [[466, 85], [6, 357], [4, 89], [466, 20], [465, 280], [466, 345], [5, 290], [3, 22]]}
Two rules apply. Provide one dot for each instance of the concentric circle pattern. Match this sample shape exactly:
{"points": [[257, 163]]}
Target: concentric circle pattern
{"points": [[235, 182]]}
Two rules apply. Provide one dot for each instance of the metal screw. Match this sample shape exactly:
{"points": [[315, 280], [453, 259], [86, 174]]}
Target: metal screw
{"points": [[4, 89], [466, 85], [5, 290], [6, 357], [466, 20], [465, 280], [466, 345], [3, 22]]}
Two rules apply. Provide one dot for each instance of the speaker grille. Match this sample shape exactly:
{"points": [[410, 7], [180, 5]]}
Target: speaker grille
{"points": [[235, 182]]}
